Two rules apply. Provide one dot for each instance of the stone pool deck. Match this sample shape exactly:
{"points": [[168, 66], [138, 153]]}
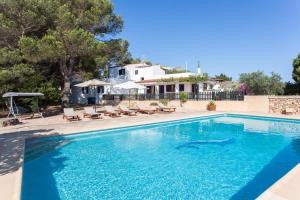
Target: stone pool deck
{"points": [[285, 188], [12, 146]]}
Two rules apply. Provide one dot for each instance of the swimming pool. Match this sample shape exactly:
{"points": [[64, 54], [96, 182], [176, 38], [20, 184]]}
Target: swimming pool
{"points": [[216, 157]]}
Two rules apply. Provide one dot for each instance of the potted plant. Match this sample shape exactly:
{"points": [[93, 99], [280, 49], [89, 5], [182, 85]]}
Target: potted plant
{"points": [[211, 106], [183, 96]]}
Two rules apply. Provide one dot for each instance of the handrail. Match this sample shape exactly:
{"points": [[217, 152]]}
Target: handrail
{"points": [[209, 95]]}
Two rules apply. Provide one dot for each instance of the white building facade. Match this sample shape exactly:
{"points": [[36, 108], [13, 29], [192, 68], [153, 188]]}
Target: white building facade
{"points": [[151, 76], [136, 72]]}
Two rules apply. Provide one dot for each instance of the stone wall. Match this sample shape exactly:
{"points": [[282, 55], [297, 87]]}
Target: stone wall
{"points": [[278, 103]]}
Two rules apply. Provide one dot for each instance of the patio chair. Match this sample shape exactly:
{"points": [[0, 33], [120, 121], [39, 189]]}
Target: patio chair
{"points": [[123, 109], [110, 111], [91, 113], [164, 108], [70, 115], [146, 109]]}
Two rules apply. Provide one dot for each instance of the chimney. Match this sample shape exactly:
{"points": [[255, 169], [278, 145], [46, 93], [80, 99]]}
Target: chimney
{"points": [[198, 69]]}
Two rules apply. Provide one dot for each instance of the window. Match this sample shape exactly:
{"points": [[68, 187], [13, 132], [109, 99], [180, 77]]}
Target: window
{"points": [[161, 89], [181, 87], [85, 90], [204, 86], [195, 88], [121, 72], [149, 89], [170, 88], [142, 78], [100, 89], [136, 72]]}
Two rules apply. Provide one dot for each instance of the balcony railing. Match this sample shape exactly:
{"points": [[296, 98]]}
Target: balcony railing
{"points": [[216, 96]]}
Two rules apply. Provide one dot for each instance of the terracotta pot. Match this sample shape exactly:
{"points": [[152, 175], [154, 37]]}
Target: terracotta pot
{"points": [[211, 107]]}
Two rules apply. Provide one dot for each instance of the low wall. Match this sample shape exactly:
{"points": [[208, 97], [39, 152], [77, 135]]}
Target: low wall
{"points": [[278, 103], [258, 104]]}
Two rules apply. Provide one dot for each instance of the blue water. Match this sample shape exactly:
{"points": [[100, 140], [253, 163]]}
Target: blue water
{"points": [[220, 157]]}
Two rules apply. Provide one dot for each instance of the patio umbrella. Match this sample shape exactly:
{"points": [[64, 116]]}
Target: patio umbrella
{"points": [[92, 83], [129, 85]]}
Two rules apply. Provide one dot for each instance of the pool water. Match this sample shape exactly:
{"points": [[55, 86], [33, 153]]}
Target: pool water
{"points": [[218, 157]]}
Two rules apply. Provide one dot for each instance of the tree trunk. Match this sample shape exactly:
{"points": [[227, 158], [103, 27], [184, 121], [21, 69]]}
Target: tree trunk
{"points": [[66, 91], [66, 72]]}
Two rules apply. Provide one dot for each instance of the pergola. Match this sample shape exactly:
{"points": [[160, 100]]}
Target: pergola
{"points": [[12, 104]]}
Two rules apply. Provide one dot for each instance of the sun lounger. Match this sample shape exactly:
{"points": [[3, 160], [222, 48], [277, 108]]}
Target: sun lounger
{"points": [[164, 108], [133, 107], [91, 113], [146, 109], [101, 110], [126, 111], [109, 110], [70, 115]]}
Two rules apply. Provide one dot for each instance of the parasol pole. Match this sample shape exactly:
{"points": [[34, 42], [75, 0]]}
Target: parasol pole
{"points": [[95, 97], [129, 99]]}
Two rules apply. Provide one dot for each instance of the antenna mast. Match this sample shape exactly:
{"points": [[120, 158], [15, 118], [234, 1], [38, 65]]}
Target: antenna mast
{"points": [[186, 66]]}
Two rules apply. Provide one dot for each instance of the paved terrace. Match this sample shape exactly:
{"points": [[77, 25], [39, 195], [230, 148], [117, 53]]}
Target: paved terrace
{"points": [[12, 146]]}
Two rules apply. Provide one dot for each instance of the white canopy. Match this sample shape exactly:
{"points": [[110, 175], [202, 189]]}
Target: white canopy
{"points": [[13, 108], [93, 82], [130, 85], [22, 94]]}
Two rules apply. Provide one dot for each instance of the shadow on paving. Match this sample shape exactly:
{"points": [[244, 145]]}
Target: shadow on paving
{"points": [[43, 159], [281, 164], [11, 149]]}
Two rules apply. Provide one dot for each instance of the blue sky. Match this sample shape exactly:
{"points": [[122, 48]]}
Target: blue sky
{"points": [[226, 36]]}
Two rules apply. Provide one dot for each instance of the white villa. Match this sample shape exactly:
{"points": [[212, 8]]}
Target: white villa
{"points": [[151, 76]]}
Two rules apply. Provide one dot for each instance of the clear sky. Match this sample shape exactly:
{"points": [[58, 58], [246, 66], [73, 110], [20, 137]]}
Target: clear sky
{"points": [[226, 36]]}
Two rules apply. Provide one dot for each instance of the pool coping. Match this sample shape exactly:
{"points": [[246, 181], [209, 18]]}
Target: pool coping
{"points": [[19, 179], [122, 128], [13, 192], [287, 187], [267, 194]]}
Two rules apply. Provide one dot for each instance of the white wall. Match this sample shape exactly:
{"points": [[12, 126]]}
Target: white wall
{"points": [[146, 72], [253, 104], [158, 71]]}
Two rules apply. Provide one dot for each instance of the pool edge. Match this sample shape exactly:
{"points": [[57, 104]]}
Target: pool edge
{"points": [[284, 188], [18, 182]]}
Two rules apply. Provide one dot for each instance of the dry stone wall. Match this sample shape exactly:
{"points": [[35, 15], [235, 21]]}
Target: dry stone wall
{"points": [[278, 103]]}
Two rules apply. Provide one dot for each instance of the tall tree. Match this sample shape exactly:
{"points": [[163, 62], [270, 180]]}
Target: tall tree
{"points": [[113, 53], [292, 88], [296, 69], [224, 77], [259, 83], [61, 33]]}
